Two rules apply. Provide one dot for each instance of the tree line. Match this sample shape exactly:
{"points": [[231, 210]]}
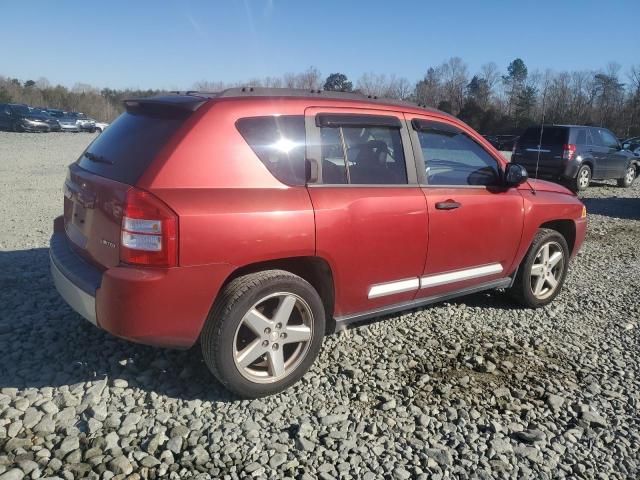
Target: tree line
{"points": [[490, 100]]}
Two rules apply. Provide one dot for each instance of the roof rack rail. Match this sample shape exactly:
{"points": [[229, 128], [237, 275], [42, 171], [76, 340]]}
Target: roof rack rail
{"points": [[249, 91]]}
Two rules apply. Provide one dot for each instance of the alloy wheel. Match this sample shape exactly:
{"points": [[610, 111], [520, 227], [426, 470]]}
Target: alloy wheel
{"points": [[631, 175], [273, 337], [547, 270], [583, 180]]}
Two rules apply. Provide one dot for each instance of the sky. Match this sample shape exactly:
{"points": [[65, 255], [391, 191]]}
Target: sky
{"points": [[172, 44]]}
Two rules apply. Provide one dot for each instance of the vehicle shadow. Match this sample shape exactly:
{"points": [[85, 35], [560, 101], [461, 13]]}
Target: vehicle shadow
{"points": [[615, 207], [44, 343]]}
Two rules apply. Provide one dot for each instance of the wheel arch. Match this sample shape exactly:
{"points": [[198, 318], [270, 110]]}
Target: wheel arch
{"points": [[315, 270], [589, 162], [564, 227]]}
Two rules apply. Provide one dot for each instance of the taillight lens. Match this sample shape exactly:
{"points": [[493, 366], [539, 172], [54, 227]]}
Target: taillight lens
{"points": [[149, 233], [569, 151]]}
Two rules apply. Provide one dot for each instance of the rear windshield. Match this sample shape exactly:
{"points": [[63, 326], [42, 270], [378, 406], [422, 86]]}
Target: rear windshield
{"points": [[125, 149], [550, 136]]}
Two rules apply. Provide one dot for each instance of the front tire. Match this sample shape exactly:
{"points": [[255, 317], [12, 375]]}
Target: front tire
{"points": [[629, 177], [543, 270], [263, 333], [583, 177]]}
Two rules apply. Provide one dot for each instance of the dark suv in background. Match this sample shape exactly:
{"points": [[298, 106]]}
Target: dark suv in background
{"points": [[575, 154], [17, 117]]}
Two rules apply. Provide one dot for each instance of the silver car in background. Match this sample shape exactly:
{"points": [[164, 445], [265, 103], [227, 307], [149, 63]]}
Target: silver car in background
{"points": [[67, 122]]}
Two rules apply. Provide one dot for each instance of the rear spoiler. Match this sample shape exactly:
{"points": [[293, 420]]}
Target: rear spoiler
{"points": [[184, 103]]}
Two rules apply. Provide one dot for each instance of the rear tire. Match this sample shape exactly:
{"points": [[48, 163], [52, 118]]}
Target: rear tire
{"points": [[543, 270], [629, 177], [264, 332], [583, 177]]}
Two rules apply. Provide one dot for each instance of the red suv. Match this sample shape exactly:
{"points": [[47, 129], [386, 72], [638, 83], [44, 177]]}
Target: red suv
{"points": [[255, 221]]}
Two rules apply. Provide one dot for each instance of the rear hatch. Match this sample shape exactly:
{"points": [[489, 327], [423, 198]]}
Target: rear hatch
{"points": [[96, 185], [542, 151]]}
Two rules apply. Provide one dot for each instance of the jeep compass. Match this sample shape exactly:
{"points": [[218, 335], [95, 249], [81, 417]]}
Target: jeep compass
{"points": [[254, 221]]}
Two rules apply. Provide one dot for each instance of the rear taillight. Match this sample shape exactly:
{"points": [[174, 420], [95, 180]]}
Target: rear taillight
{"points": [[149, 232], [568, 151]]}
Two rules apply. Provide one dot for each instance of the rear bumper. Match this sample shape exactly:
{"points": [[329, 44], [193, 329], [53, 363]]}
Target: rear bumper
{"points": [[162, 307], [82, 302], [558, 170], [69, 128]]}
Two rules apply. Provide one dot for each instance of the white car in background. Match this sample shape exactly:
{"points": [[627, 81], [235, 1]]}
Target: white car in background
{"points": [[100, 126], [85, 123]]}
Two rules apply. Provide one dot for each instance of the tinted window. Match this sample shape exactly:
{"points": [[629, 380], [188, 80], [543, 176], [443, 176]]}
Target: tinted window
{"points": [[374, 156], [550, 136], [279, 142], [608, 139], [595, 137], [453, 158], [20, 109], [125, 149], [333, 159], [581, 137]]}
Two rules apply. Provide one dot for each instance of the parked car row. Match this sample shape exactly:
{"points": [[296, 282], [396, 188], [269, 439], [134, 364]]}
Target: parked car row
{"points": [[18, 117]]}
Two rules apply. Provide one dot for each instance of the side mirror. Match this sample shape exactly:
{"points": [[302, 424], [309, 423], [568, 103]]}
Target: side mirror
{"points": [[625, 146], [515, 175]]}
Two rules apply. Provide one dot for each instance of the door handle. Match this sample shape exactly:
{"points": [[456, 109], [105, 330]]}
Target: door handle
{"points": [[448, 205]]}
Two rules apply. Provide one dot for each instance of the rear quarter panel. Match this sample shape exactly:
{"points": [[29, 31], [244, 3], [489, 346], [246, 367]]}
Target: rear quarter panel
{"points": [[231, 208]]}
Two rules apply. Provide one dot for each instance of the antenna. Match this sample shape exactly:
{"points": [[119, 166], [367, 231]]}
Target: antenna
{"points": [[544, 97]]}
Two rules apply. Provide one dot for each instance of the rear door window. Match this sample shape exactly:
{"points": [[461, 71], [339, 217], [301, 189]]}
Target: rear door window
{"points": [[362, 155], [279, 143], [126, 149], [581, 137]]}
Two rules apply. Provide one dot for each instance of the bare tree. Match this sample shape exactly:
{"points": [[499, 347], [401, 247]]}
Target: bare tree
{"points": [[455, 78], [429, 89], [289, 80], [491, 74], [310, 79], [207, 86], [401, 89]]}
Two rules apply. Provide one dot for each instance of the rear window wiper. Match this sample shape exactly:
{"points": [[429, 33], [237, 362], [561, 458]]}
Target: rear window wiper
{"points": [[97, 158]]}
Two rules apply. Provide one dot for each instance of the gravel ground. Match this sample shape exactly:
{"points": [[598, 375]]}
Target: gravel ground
{"points": [[475, 388]]}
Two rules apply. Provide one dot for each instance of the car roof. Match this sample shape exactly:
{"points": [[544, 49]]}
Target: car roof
{"points": [[561, 125], [270, 93]]}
